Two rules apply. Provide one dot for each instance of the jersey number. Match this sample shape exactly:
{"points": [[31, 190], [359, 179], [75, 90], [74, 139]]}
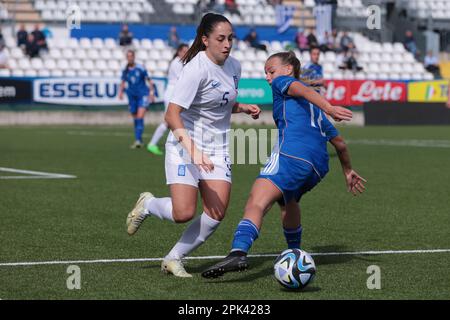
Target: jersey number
{"points": [[319, 119], [224, 99]]}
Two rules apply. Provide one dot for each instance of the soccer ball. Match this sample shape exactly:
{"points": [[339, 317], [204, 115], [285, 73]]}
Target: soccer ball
{"points": [[294, 269]]}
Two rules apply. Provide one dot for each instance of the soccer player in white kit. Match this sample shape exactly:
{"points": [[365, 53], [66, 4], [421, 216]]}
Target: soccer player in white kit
{"points": [[175, 68], [197, 155]]}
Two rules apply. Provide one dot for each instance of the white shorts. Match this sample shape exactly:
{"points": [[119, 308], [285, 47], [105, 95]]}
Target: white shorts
{"points": [[182, 171]]}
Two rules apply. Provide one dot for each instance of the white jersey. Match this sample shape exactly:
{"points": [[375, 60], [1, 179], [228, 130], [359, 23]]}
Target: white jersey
{"points": [[175, 68], [208, 92]]}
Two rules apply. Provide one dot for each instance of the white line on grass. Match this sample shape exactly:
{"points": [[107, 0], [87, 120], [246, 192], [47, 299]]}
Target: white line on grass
{"points": [[37, 263], [34, 174]]}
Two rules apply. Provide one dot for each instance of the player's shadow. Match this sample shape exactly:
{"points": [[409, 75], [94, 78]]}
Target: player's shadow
{"points": [[335, 254], [327, 255]]}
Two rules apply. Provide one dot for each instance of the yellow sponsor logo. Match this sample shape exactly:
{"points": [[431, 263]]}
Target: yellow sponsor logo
{"points": [[428, 91]]}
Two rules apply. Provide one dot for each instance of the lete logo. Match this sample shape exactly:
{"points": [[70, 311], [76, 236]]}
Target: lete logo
{"points": [[357, 92]]}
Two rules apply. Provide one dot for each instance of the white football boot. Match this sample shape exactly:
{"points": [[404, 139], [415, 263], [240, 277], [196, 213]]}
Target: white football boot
{"points": [[175, 267], [138, 214]]}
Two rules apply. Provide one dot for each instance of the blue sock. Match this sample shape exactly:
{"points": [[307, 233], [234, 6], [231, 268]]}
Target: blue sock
{"points": [[293, 237], [138, 129], [246, 233]]}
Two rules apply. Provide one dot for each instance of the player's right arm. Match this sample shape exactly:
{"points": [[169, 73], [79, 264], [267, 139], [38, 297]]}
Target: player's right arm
{"points": [[353, 180], [297, 89], [175, 123]]}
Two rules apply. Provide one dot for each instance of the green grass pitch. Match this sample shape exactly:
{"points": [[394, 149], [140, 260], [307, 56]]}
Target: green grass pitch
{"points": [[406, 207]]}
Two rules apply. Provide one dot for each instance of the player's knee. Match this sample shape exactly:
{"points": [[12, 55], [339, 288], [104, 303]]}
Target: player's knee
{"points": [[184, 214], [254, 207]]}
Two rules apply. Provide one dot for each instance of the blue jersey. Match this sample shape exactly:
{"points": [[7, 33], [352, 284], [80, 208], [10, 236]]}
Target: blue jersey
{"points": [[303, 128], [136, 79], [313, 71]]}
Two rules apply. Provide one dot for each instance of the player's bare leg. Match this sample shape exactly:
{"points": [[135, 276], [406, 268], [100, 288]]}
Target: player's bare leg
{"points": [[215, 196], [184, 202]]}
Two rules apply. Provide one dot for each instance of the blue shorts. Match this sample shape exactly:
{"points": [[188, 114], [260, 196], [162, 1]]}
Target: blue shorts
{"points": [[136, 102], [292, 176]]}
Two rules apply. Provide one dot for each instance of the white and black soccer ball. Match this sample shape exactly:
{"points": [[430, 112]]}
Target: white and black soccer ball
{"points": [[294, 269]]}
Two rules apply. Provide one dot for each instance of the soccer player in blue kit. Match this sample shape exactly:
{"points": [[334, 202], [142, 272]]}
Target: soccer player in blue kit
{"points": [[139, 95], [298, 162], [313, 70]]}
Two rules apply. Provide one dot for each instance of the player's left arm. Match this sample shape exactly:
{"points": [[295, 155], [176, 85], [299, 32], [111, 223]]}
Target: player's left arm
{"points": [[251, 109], [297, 89], [355, 183]]}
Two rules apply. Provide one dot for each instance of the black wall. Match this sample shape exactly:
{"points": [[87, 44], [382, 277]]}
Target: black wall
{"points": [[394, 113]]}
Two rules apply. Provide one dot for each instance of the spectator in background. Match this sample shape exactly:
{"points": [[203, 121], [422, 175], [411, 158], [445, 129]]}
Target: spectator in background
{"points": [[174, 39], [334, 41], [3, 58], [410, 43], [217, 6], [431, 63], [39, 38], [31, 48], [345, 42], [301, 41], [232, 7], [324, 42], [22, 36], [253, 41], [349, 59], [312, 40], [125, 37]]}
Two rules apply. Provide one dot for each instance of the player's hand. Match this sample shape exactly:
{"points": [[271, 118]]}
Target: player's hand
{"points": [[253, 110], [120, 95], [152, 98], [202, 161], [339, 114], [354, 182]]}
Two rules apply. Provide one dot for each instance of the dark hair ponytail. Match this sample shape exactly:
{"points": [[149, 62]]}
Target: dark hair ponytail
{"points": [[205, 28], [177, 52]]}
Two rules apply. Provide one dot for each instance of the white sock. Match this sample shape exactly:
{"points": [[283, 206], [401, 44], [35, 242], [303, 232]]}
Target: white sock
{"points": [[159, 132], [160, 207], [198, 231]]}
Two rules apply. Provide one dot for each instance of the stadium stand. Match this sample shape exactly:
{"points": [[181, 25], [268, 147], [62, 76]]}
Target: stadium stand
{"points": [[102, 56]]}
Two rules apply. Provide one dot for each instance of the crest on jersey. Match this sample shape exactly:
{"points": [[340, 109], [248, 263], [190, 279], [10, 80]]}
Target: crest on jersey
{"points": [[181, 170], [235, 78]]}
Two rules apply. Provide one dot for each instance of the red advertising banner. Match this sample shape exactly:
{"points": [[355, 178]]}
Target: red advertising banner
{"points": [[357, 92]]}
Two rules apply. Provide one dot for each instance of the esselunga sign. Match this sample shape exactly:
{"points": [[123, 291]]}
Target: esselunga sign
{"points": [[84, 91]]}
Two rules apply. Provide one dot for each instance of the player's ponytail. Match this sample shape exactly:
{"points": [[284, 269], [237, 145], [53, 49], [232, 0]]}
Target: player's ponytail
{"points": [[290, 58], [205, 28]]}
